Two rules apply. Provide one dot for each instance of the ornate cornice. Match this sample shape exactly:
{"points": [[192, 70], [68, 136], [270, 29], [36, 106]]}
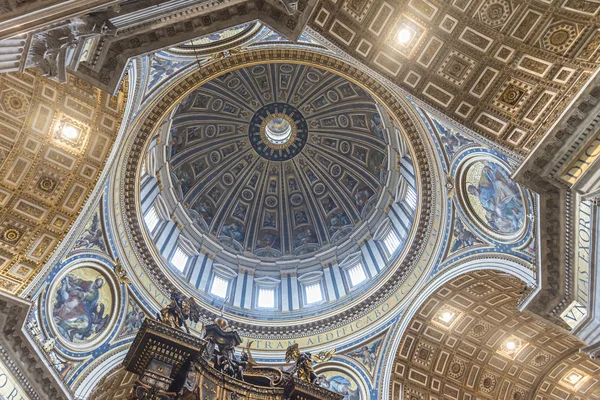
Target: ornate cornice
{"points": [[20, 355], [149, 121], [542, 171], [112, 54]]}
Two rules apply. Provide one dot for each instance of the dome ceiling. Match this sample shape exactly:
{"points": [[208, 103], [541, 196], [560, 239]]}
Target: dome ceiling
{"points": [[279, 159], [282, 176]]}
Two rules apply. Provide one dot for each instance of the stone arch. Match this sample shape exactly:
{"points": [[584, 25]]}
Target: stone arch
{"points": [[505, 265], [102, 377], [468, 340], [117, 384]]}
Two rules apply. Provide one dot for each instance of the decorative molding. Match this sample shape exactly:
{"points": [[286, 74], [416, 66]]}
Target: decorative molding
{"points": [[20, 354]]}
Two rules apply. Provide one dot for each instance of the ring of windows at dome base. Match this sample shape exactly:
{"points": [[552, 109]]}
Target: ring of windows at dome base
{"points": [[242, 268], [338, 148]]}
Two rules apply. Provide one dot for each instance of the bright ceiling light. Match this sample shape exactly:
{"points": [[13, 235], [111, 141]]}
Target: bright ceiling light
{"points": [[446, 316], [404, 35], [573, 378], [70, 132], [511, 347]]}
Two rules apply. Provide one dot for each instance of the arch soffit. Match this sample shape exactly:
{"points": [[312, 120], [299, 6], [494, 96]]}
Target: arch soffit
{"points": [[509, 265], [545, 355]]}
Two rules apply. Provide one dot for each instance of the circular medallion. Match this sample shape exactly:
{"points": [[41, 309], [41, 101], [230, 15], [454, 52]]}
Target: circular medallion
{"points": [[16, 103], [296, 199], [313, 77], [271, 201], [228, 179], [215, 157], [247, 194], [333, 96], [343, 120], [217, 104], [82, 306], [12, 235], [345, 147], [336, 170], [211, 130], [278, 132], [495, 12], [319, 189], [493, 199], [47, 184], [559, 38]]}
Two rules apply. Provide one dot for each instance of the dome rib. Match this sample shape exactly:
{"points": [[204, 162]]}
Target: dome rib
{"points": [[311, 206], [342, 203]]}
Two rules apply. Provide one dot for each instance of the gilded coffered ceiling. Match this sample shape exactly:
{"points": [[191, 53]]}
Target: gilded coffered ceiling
{"points": [[469, 341], [54, 141], [505, 69]]}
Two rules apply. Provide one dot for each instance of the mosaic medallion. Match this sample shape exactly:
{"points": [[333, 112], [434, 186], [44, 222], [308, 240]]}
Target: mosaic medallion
{"points": [[81, 306], [495, 200], [278, 132]]}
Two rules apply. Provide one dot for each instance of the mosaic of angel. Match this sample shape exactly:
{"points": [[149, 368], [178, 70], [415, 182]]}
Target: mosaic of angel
{"points": [[92, 237], [499, 197], [367, 354], [134, 319], [78, 311]]}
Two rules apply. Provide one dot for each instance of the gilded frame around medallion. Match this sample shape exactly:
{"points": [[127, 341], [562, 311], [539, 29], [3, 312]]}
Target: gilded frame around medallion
{"points": [[462, 178]]}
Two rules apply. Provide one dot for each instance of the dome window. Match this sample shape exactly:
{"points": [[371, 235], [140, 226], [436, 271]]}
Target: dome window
{"points": [[151, 218], [357, 275], [391, 242], [219, 287], [313, 293], [266, 298], [179, 259], [411, 197]]}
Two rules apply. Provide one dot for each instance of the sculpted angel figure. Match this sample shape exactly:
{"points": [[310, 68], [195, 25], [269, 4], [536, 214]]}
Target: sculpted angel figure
{"points": [[304, 362], [179, 311]]}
